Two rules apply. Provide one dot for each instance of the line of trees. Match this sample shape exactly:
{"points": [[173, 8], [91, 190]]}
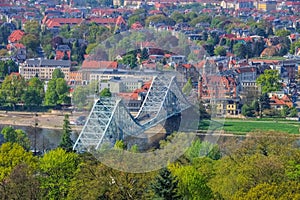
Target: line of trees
{"points": [[15, 90]]}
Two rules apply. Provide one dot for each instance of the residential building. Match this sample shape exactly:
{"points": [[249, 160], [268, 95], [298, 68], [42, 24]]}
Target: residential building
{"points": [[75, 78], [117, 85], [220, 91], [15, 36], [244, 4], [96, 67], [63, 52], [267, 6], [43, 68], [186, 71], [278, 103]]}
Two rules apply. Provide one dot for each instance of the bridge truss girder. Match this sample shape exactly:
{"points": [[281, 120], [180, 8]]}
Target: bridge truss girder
{"points": [[110, 120]]}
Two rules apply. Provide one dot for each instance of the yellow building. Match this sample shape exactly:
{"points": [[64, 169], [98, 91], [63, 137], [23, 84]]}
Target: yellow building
{"points": [[232, 108], [43, 68], [267, 5]]}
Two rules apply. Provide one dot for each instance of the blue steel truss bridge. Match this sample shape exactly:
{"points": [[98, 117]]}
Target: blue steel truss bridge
{"points": [[110, 120]]}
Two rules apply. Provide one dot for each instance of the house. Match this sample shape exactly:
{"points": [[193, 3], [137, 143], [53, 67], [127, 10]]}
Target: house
{"points": [[52, 23], [185, 72], [75, 78], [117, 85], [136, 26], [278, 102], [244, 4], [63, 52], [177, 59], [267, 5], [221, 91], [147, 64], [15, 36], [43, 68], [18, 51], [228, 4]]}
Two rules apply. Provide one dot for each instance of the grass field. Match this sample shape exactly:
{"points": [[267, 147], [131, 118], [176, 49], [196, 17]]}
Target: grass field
{"points": [[243, 127]]}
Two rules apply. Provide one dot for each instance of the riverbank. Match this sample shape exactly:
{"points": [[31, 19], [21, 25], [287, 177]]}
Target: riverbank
{"points": [[40, 119]]}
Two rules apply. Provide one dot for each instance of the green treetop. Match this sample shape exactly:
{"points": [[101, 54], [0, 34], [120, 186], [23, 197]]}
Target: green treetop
{"points": [[105, 93], [269, 81], [66, 142], [16, 136], [57, 73], [165, 185]]}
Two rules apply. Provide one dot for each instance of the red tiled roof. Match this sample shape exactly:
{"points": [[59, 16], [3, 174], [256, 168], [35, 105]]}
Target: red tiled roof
{"points": [[265, 61], [136, 25], [246, 39], [120, 21], [155, 12], [200, 64], [16, 36], [285, 100], [16, 45], [135, 94], [187, 66], [229, 36], [168, 55], [147, 85], [57, 22], [129, 96], [293, 36], [147, 65], [93, 64], [245, 69]]}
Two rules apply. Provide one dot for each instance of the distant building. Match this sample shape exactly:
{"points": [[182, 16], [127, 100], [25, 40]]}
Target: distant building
{"points": [[43, 68], [267, 5], [75, 78], [117, 85], [90, 67], [15, 36], [63, 52], [279, 101], [237, 4], [244, 4], [221, 92]]}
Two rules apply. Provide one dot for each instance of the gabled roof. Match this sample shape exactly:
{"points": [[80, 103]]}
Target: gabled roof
{"points": [[285, 100], [47, 63], [16, 45], [136, 25], [16, 36], [93, 64], [57, 22], [129, 95], [120, 21]]}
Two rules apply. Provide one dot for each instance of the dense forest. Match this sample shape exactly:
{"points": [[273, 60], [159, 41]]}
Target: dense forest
{"points": [[264, 165]]}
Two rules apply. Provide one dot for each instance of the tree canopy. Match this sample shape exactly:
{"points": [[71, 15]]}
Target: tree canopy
{"points": [[66, 142], [57, 92], [105, 93], [12, 89], [57, 73], [16, 136], [57, 168], [269, 81]]}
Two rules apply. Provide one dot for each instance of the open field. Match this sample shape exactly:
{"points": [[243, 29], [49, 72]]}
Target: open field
{"points": [[243, 127]]}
